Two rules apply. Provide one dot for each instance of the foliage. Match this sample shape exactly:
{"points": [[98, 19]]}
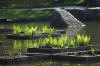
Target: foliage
{"points": [[71, 43], [47, 30], [83, 40], [26, 14], [52, 42], [30, 31], [37, 3], [62, 41], [17, 29], [27, 30]]}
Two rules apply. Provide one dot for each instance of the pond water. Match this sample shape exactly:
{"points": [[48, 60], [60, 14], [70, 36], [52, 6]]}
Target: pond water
{"points": [[20, 46]]}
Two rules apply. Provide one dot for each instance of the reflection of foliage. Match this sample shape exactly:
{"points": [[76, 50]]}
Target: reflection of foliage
{"points": [[28, 14], [20, 45], [17, 45]]}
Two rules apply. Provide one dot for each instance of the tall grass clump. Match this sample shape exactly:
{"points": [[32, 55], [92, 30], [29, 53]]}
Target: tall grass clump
{"points": [[17, 29], [83, 40]]}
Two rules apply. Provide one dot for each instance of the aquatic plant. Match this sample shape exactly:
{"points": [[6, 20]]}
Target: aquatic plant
{"points": [[62, 41], [83, 40], [92, 50], [71, 43], [47, 30], [40, 43], [52, 42], [17, 29], [51, 29], [30, 31]]}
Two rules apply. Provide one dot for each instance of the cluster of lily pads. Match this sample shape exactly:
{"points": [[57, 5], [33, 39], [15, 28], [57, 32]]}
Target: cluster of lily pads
{"points": [[62, 42], [30, 30]]}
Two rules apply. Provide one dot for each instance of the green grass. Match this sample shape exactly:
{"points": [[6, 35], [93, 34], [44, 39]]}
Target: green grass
{"points": [[27, 14], [36, 3]]}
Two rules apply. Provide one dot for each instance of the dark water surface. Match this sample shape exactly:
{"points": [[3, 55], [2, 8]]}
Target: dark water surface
{"points": [[20, 46]]}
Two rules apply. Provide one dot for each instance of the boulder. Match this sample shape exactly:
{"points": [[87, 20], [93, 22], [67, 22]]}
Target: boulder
{"points": [[63, 18]]}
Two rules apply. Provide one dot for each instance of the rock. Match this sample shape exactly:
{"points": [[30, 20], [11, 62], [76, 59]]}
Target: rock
{"points": [[63, 18]]}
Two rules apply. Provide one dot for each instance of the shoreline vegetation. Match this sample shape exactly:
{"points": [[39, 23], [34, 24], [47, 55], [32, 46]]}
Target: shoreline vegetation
{"points": [[37, 3], [27, 14]]}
